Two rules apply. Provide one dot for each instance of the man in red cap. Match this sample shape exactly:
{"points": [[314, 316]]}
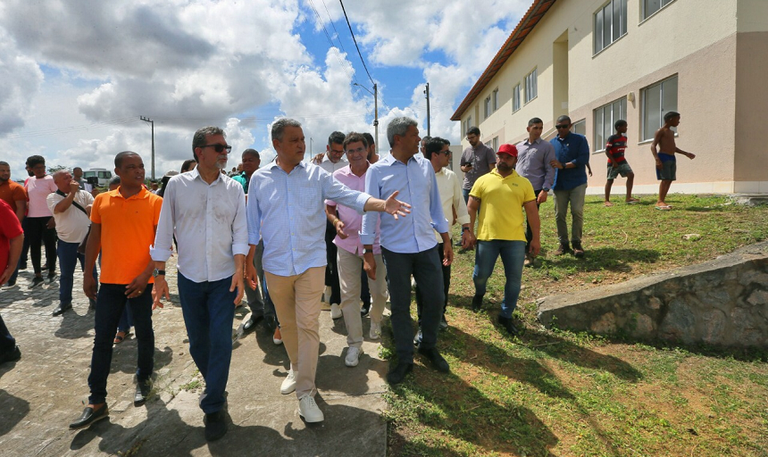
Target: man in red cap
{"points": [[501, 197]]}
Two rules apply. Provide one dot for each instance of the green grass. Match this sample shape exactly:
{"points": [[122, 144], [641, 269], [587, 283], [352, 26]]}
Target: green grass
{"points": [[562, 393]]}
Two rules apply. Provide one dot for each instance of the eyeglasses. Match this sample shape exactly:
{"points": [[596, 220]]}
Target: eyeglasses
{"points": [[448, 152], [218, 147], [562, 126], [357, 150]]}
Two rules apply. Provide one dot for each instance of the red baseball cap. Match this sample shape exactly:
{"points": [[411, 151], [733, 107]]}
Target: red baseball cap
{"points": [[508, 149]]}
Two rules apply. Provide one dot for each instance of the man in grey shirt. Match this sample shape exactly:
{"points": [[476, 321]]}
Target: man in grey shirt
{"points": [[533, 157], [477, 160]]}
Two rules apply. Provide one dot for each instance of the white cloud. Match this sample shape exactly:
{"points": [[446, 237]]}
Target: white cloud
{"points": [[21, 79]]}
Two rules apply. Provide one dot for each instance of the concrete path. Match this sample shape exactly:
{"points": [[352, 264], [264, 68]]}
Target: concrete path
{"points": [[45, 390]]}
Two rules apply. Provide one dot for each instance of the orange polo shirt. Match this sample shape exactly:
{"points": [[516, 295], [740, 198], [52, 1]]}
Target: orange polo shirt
{"points": [[11, 192], [127, 231]]}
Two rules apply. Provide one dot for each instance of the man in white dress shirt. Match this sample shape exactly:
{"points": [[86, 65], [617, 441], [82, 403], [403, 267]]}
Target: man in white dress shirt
{"points": [[205, 209]]}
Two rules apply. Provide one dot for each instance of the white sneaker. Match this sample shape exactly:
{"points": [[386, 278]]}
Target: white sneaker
{"points": [[309, 410], [375, 333], [353, 356], [336, 311], [289, 383]]}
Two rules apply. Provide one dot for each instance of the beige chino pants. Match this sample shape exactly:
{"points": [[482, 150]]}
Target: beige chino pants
{"points": [[297, 304], [350, 268]]}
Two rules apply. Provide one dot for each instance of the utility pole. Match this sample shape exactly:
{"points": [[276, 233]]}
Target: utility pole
{"points": [[375, 94], [146, 119], [426, 91]]}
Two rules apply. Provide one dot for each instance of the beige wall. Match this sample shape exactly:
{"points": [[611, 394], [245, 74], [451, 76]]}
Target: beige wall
{"points": [[720, 84], [751, 112]]}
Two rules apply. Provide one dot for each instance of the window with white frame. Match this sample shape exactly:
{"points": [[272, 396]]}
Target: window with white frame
{"points": [[487, 107], [651, 6], [495, 99], [605, 117], [580, 127], [516, 98], [657, 99], [610, 23], [495, 143], [467, 124], [531, 89]]}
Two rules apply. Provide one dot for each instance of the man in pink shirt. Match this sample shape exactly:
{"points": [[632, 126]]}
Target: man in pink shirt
{"points": [[39, 222], [350, 252]]}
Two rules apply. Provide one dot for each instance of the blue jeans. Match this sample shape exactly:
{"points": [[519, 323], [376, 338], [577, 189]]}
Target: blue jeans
{"points": [[512, 256], [68, 257], [260, 303], [109, 307], [426, 269], [209, 310], [465, 193]]}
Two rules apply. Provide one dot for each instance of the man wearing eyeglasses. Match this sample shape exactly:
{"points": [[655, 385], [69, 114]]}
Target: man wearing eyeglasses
{"points": [[572, 159], [206, 211], [347, 222], [477, 160]]}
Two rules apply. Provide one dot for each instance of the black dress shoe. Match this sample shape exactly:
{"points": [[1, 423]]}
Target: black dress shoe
{"points": [[61, 308], [36, 281], [437, 360], [215, 426], [51, 275], [250, 324], [477, 303], [397, 374], [143, 388], [90, 416], [506, 322], [10, 356]]}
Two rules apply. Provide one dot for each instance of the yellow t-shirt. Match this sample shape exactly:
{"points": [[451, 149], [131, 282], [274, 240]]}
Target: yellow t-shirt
{"points": [[127, 231], [501, 206]]}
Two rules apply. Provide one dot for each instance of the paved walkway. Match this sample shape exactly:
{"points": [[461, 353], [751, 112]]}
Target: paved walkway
{"points": [[44, 391]]}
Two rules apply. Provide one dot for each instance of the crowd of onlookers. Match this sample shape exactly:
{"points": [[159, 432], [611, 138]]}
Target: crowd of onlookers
{"points": [[350, 228]]}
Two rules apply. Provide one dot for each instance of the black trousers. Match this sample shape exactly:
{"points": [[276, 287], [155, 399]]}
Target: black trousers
{"points": [[40, 235]]}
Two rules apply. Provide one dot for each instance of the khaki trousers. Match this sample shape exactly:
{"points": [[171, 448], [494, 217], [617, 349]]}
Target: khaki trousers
{"points": [[350, 267], [297, 304]]}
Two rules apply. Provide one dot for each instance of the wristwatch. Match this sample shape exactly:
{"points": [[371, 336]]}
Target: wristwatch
{"points": [[465, 229], [367, 251], [157, 273]]}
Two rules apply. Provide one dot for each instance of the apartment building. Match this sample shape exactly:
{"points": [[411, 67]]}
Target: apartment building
{"points": [[603, 60]]}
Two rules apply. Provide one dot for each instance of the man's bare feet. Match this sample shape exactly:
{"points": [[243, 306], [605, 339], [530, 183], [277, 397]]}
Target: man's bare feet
{"points": [[607, 203], [632, 200]]}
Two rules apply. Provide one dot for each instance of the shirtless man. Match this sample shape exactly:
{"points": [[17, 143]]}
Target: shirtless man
{"points": [[666, 164]]}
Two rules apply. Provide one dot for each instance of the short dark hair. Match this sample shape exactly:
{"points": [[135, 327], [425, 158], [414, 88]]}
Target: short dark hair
{"points": [[199, 139], [4, 164], [35, 160], [473, 131], [354, 137], [564, 118], [534, 121], [251, 152], [278, 128], [669, 115], [122, 155], [187, 164], [368, 138], [434, 145], [619, 123], [336, 138]]}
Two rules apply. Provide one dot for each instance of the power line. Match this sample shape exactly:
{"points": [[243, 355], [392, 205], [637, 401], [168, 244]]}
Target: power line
{"points": [[328, 35], [355, 40], [338, 35]]}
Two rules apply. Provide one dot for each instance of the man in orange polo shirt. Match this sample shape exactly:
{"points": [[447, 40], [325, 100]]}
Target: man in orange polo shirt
{"points": [[123, 227], [14, 194]]}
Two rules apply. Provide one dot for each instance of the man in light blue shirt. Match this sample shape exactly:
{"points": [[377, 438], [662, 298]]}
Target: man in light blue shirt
{"points": [[409, 246], [206, 211], [286, 208]]}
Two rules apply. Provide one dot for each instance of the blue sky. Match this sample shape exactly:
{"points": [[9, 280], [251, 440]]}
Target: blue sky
{"points": [[73, 91]]}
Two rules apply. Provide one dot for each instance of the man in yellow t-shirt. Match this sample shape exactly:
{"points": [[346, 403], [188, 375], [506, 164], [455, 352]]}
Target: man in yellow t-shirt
{"points": [[501, 196]]}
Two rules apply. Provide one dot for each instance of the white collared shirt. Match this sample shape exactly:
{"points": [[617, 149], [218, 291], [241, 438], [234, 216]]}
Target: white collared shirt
{"points": [[209, 223], [451, 197]]}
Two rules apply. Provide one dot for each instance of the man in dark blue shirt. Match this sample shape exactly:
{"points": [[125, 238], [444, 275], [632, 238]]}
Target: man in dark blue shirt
{"points": [[572, 152]]}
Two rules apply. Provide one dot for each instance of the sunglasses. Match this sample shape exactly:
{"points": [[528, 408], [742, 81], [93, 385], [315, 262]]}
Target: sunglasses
{"points": [[562, 126], [218, 147]]}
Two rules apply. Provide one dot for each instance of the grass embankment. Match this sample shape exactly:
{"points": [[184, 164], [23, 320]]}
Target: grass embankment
{"points": [[560, 393]]}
